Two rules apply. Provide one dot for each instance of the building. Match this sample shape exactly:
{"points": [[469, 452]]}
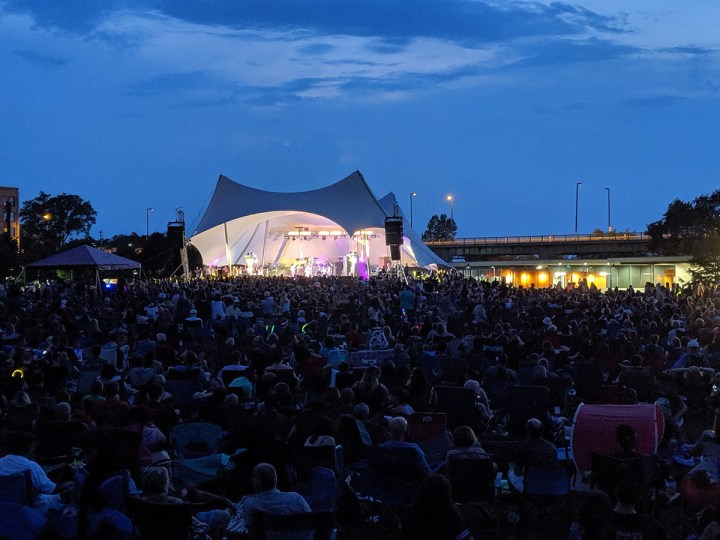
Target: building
{"points": [[10, 195], [605, 273]]}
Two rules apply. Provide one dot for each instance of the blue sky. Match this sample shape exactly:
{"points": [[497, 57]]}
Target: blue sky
{"points": [[504, 104]]}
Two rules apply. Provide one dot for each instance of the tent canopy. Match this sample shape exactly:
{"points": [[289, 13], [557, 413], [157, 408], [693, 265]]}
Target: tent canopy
{"points": [[86, 256], [241, 220], [595, 427]]}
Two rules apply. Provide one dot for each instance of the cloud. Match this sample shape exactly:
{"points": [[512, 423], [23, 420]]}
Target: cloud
{"points": [[654, 102], [219, 53], [40, 59]]}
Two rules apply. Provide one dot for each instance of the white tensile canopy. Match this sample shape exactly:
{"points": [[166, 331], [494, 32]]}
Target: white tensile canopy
{"points": [[324, 224]]}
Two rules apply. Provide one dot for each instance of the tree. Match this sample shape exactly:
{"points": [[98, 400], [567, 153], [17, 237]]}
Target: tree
{"points": [[158, 256], [8, 256], [691, 228], [440, 228], [49, 221]]}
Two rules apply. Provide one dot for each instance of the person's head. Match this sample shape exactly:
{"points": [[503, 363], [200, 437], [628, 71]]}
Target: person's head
{"points": [[63, 412], [534, 428], [472, 385], [397, 429], [156, 480], [625, 436], [264, 477], [463, 437], [347, 396]]}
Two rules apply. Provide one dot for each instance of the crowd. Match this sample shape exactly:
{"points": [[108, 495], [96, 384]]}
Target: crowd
{"points": [[95, 384]]}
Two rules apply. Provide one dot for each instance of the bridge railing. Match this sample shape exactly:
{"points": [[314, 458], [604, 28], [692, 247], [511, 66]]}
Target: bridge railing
{"points": [[544, 239]]}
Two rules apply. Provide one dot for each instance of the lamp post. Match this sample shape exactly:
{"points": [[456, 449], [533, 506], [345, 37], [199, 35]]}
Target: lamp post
{"points": [[412, 196], [451, 200], [147, 221], [577, 194], [608, 192]]}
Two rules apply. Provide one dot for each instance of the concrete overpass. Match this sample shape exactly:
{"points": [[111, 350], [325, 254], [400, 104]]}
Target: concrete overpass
{"points": [[601, 245]]}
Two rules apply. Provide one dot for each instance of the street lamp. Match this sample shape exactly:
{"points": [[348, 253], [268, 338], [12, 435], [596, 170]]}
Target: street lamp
{"points": [[608, 191], [577, 193], [412, 196], [451, 200], [147, 221]]}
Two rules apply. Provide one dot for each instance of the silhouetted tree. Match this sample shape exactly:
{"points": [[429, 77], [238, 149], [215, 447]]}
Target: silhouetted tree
{"points": [[691, 228], [440, 228], [49, 221]]}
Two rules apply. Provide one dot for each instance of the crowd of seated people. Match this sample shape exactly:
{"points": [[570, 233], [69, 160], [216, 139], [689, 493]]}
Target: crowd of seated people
{"points": [[285, 363]]}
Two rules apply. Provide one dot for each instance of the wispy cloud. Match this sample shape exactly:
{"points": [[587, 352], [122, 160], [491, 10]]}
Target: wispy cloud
{"points": [[40, 59]]}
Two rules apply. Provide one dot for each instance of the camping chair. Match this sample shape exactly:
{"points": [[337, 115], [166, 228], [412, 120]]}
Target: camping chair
{"points": [[557, 389], [546, 490], [453, 370], [607, 472], [423, 426], [355, 438], [321, 523], [429, 432], [159, 520], [321, 489], [86, 377], [202, 335], [524, 403], [389, 476], [182, 385], [460, 406], [306, 458], [432, 366]]}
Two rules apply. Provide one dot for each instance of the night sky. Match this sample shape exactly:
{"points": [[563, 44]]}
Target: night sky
{"points": [[506, 105]]}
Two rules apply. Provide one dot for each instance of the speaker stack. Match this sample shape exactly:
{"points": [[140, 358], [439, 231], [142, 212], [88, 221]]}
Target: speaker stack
{"points": [[394, 236]]}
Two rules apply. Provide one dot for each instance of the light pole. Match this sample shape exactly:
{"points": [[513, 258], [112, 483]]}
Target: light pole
{"points": [[451, 200], [412, 196], [609, 227], [147, 221], [577, 194]]}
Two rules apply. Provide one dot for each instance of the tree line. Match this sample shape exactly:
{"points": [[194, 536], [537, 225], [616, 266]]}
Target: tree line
{"points": [[53, 223]]}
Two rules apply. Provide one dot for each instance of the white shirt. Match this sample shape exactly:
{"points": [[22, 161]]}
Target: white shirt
{"points": [[12, 464]]}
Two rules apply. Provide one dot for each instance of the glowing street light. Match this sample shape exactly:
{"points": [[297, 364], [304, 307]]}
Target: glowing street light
{"points": [[451, 200], [608, 193], [412, 196], [47, 216]]}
